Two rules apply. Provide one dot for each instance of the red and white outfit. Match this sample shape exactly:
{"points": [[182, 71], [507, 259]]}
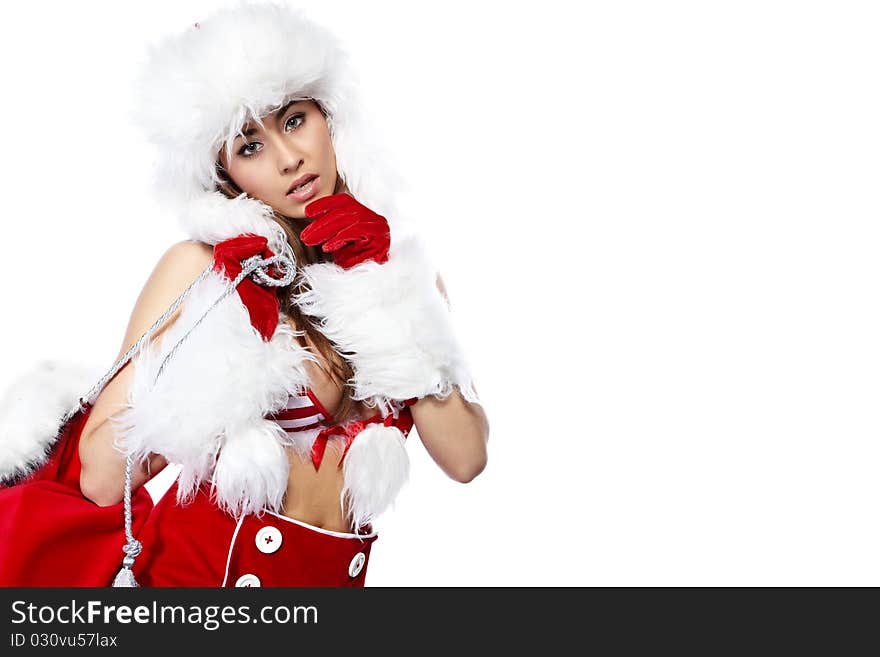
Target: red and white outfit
{"points": [[56, 537], [197, 543], [215, 406]]}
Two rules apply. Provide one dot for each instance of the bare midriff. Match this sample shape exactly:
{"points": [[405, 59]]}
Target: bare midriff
{"points": [[313, 496]]}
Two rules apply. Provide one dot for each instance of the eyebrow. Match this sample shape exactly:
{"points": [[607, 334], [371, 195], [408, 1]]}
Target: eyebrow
{"points": [[280, 113]]}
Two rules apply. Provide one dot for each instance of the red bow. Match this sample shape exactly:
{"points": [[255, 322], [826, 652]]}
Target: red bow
{"points": [[349, 431], [261, 302], [404, 422]]}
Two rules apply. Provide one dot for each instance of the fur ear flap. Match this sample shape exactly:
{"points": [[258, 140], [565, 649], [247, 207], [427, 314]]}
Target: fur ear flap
{"points": [[31, 412], [375, 469]]}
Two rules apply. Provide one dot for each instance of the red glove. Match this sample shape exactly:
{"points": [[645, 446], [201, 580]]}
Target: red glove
{"points": [[261, 302], [353, 233]]}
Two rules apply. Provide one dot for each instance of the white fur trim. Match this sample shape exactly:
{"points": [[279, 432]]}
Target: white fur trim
{"points": [[214, 393], [198, 88], [31, 411], [252, 469], [392, 323], [212, 218], [375, 469]]}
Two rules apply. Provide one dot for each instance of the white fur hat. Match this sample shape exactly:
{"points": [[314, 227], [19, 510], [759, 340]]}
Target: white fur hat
{"points": [[199, 87]]}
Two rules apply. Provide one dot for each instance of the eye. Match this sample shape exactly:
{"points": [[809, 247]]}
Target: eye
{"points": [[301, 117], [244, 150]]}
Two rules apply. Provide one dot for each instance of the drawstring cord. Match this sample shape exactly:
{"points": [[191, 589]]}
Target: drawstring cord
{"points": [[255, 266]]}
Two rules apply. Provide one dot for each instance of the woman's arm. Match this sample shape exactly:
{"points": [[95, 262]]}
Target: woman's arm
{"points": [[455, 434], [454, 431], [102, 476]]}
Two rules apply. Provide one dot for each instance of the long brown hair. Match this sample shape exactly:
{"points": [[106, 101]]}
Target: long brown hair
{"points": [[339, 368]]}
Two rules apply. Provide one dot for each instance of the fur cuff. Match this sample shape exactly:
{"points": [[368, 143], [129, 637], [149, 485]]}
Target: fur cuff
{"points": [[31, 412], [375, 469], [393, 325], [212, 396]]}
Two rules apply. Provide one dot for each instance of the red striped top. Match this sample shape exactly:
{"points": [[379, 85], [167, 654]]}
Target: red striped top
{"points": [[303, 412]]}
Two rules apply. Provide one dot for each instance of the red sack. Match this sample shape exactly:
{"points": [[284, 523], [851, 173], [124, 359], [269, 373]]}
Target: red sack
{"points": [[51, 535]]}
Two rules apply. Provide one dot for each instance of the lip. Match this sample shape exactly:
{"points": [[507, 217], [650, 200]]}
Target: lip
{"points": [[309, 191]]}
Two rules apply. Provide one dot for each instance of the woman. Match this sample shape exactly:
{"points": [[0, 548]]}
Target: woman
{"points": [[276, 415]]}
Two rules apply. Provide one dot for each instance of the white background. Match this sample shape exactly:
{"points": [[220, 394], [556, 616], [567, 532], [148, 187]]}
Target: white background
{"points": [[658, 225]]}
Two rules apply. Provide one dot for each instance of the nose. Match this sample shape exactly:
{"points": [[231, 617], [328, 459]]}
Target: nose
{"points": [[289, 157]]}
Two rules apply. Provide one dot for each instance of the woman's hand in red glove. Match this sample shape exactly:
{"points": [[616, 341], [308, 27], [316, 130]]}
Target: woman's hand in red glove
{"points": [[353, 233], [261, 302]]}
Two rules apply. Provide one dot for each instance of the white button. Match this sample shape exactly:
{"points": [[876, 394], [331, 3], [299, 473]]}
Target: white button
{"points": [[356, 564], [268, 540], [248, 580]]}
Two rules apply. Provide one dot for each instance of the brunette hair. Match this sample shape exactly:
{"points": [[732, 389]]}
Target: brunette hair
{"points": [[339, 368]]}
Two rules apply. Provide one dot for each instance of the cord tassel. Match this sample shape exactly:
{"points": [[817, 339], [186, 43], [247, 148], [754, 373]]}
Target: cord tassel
{"points": [[132, 548]]}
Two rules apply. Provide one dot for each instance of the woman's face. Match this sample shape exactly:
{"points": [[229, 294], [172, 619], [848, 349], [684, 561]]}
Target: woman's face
{"points": [[295, 144]]}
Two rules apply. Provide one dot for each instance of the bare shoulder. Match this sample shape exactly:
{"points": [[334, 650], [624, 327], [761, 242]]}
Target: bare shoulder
{"points": [[190, 249], [183, 259], [178, 267]]}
